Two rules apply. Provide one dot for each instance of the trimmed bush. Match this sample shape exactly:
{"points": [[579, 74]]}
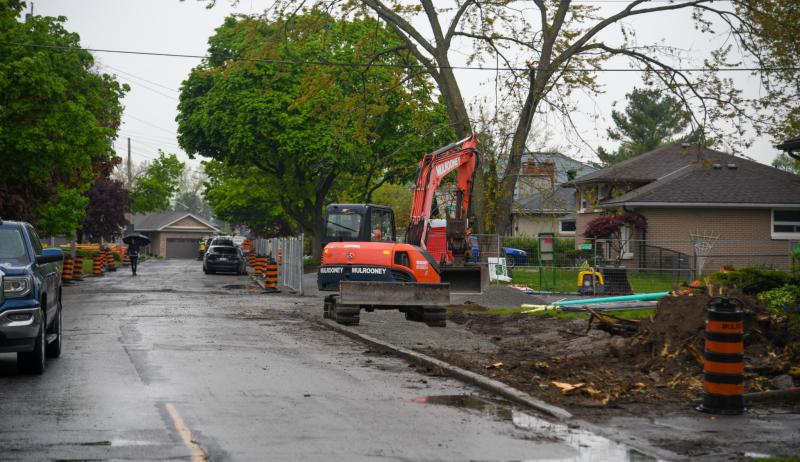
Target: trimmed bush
{"points": [[753, 280]]}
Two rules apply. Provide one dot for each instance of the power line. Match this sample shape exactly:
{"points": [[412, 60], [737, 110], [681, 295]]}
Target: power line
{"points": [[139, 78], [388, 65]]}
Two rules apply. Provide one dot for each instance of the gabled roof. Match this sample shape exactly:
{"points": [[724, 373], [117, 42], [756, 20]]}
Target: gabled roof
{"points": [[160, 220], [563, 163], [556, 200], [676, 176], [652, 165]]}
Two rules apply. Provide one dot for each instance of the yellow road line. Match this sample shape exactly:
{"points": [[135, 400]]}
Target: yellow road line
{"points": [[197, 452]]}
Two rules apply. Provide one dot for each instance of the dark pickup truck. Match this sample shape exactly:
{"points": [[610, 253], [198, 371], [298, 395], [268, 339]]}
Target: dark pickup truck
{"points": [[30, 303]]}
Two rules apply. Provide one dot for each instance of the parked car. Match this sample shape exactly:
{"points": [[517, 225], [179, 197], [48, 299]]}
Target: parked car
{"points": [[224, 258], [222, 240], [514, 257], [30, 303]]}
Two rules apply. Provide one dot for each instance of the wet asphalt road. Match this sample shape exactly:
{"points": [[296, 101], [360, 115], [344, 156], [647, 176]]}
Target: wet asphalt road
{"points": [[175, 364]]}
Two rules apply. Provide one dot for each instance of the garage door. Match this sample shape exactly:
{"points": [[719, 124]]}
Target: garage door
{"points": [[182, 248]]}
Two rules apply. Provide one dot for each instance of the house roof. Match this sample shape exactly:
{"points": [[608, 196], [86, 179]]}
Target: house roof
{"points": [[679, 176], [651, 165], [556, 200], [160, 220], [563, 164]]}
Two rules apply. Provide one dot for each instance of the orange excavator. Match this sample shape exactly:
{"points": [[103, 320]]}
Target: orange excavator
{"points": [[370, 270]]}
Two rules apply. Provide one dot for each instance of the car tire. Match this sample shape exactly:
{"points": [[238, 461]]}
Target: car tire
{"points": [[510, 261], [54, 348], [33, 362]]}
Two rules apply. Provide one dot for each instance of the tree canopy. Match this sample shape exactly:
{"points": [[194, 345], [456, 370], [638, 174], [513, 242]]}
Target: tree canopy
{"points": [[315, 132], [154, 189], [242, 195], [58, 118], [651, 119], [550, 50]]}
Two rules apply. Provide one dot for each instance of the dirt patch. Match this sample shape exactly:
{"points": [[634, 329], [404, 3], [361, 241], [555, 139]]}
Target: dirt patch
{"points": [[656, 367]]}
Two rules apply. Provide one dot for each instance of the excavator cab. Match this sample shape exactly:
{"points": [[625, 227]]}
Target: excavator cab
{"points": [[359, 223]]}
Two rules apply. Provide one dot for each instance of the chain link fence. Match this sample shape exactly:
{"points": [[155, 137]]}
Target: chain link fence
{"points": [[651, 266], [288, 253]]}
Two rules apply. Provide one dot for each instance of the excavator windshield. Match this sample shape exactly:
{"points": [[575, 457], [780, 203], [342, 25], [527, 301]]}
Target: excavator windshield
{"points": [[343, 225]]}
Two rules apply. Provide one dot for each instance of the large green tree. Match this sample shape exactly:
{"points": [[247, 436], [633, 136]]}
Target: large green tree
{"points": [[549, 50], [242, 195], [651, 119], [774, 28], [315, 131], [154, 190], [58, 118]]}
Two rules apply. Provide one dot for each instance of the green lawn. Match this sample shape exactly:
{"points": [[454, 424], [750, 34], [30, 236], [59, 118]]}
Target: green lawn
{"points": [[566, 280]]}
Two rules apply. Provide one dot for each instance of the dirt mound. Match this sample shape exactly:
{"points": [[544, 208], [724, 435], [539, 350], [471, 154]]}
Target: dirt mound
{"points": [[659, 367]]}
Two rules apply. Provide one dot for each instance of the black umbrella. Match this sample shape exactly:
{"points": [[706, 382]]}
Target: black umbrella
{"points": [[136, 238]]}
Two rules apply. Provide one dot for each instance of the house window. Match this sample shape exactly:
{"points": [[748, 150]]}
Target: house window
{"points": [[567, 226], [785, 224]]}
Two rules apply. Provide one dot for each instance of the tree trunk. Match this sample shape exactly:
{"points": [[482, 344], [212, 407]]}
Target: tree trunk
{"points": [[456, 109], [316, 232]]}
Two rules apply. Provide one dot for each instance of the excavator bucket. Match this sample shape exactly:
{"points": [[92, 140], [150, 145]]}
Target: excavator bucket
{"points": [[466, 279]]}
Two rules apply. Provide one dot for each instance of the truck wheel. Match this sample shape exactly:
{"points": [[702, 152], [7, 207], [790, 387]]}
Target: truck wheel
{"points": [[54, 347], [32, 362], [415, 314], [327, 311], [435, 317], [347, 315]]}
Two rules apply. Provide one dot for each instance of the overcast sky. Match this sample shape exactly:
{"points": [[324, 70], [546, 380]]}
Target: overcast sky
{"points": [[171, 26]]}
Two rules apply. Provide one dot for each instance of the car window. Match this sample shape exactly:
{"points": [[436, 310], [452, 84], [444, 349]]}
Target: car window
{"points": [[36, 243], [225, 242], [12, 247], [224, 250]]}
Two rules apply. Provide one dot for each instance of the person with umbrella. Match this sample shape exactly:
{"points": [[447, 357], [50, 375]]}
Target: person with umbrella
{"points": [[135, 242]]}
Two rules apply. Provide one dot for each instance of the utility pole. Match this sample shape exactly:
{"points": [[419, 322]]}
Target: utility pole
{"points": [[29, 15], [130, 175]]}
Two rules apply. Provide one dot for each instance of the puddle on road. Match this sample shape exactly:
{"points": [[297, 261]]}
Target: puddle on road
{"points": [[589, 446], [469, 402]]}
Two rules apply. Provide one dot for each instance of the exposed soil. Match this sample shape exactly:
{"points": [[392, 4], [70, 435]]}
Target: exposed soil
{"points": [[653, 365]]}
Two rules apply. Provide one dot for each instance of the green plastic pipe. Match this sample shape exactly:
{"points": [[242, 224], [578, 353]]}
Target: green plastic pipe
{"points": [[619, 298]]}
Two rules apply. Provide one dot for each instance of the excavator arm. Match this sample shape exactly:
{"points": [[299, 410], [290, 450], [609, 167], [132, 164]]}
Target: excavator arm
{"points": [[462, 156]]}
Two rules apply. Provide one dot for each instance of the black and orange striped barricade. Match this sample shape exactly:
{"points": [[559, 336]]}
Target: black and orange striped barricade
{"points": [[97, 265], [723, 368], [270, 274], [126, 260], [112, 265], [280, 255], [67, 270], [251, 260], [77, 269], [247, 245], [260, 267]]}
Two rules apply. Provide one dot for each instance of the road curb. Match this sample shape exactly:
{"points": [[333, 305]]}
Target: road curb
{"points": [[499, 388]]}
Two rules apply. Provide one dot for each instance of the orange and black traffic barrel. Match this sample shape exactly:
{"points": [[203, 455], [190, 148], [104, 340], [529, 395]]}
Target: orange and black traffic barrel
{"points": [[270, 269], [723, 368], [66, 270], [97, 264], [77, 270], [110, 263]]}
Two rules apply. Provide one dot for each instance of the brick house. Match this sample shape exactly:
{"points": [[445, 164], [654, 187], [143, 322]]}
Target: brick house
{"points": [[750, 211], [541, 205]]}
